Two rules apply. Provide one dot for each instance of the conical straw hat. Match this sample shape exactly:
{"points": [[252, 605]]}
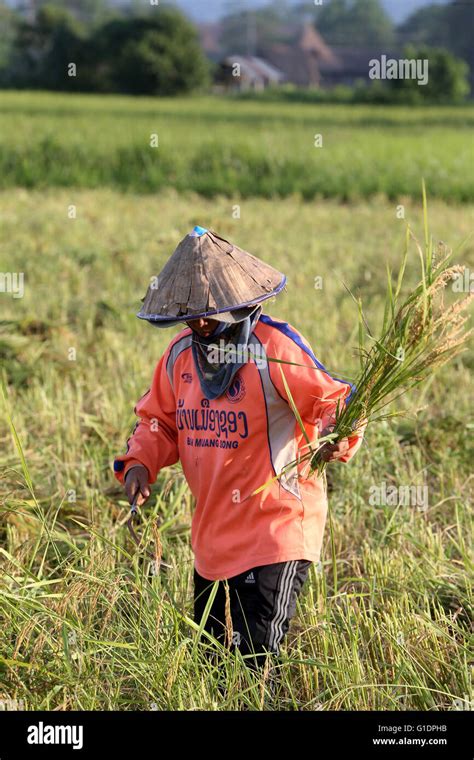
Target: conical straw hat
{"points": [[207, 275]]}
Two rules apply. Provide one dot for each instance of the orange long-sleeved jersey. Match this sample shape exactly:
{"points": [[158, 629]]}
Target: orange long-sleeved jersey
{"points": [[231, 445]]}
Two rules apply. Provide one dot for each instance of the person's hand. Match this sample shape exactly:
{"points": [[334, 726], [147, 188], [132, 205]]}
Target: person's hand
{"points": [[331, 452], [136, 479]]}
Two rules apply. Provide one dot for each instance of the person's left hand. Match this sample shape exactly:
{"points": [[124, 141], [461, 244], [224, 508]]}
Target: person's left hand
{"points": [[331, 452]]}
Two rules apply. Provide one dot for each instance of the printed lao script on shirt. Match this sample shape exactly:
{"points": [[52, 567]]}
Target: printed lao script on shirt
{"points": [[227, 428]]}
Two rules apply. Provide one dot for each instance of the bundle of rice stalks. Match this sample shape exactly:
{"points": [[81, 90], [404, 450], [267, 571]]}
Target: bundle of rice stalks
{"points": [[419, 334]]}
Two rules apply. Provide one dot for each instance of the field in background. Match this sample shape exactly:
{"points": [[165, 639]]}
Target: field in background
{"points": [[385, 625], [224, 146]]}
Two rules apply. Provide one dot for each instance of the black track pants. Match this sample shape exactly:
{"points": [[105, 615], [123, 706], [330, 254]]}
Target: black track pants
{"points": [[262, 603]]}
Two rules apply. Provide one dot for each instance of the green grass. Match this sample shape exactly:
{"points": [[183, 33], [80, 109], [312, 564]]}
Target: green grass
{"points": [[225, 146], [82, 625]]}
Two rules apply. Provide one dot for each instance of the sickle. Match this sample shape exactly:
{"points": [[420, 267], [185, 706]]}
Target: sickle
{"points": [[133, 514]]}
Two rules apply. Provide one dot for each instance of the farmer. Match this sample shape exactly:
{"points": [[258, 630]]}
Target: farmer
{"points": [[220, 407]]}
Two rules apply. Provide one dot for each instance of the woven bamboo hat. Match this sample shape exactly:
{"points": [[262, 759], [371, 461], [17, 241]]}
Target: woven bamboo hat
{"points": [[207, 276]]}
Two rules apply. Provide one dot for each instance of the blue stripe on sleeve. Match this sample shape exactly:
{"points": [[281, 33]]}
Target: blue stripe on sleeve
{"points": [[286, 330]]}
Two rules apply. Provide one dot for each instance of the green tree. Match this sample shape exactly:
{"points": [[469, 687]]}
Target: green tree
{"points": [[91, 13], [245, 31], [44, 48], [447, 78], [8, 24], [459, 21], [355, 22], [158, 55], [450, 26], [251, 31], [426, 26]]}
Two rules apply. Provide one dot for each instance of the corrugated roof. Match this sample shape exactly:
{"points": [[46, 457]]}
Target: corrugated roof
{"points": [[271, 72]]}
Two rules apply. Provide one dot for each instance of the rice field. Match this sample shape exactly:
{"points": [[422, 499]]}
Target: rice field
{"points": [[226, 146], [384, 622]]}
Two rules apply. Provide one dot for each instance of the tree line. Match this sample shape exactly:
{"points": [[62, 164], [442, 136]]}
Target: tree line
{"points": [[96, 46], [55, 49]]}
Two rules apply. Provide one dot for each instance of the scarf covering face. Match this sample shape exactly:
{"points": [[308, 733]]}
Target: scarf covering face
{"points": [[216, 378]]}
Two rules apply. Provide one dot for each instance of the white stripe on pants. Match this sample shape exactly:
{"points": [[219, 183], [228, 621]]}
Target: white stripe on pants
{"points": [[282, 603]]}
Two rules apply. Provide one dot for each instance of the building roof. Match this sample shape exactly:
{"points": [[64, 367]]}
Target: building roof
{"points": [[311, 41], [299, 66], [302, 57], [354, 61], [266, 68]]}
